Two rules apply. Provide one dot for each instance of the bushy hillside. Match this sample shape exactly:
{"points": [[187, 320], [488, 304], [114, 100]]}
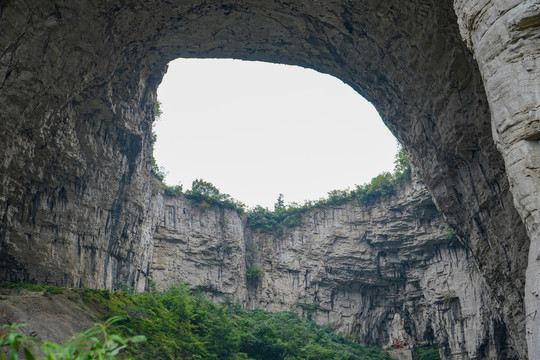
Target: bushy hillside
{"points": [[181, 324]]}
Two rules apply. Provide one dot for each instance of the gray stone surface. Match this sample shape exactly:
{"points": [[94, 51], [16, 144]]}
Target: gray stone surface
{"points": [[456, 81], [505, 37], [391, 270]]}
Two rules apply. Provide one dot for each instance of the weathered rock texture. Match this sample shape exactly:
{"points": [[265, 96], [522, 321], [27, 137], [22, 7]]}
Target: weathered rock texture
{"points": [[456, 81], [392, 270], [204, 247], [504, 36]]}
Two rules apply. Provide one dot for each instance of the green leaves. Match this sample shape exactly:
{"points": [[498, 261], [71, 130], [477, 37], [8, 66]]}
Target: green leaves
{"points": [[381, 186], [179, 325], [157, 171], [207, 194], [254, 273], [99, 342], [15, 342]]}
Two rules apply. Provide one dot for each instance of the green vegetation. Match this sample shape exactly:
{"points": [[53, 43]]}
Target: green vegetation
{"points": [[447, 297], [381, 187], [267, 221], [178, 324], [254, 273], [157, 110], [101, 341], [174, 190], [156, 171], [205, 194], [32, 287], [427, 352]]}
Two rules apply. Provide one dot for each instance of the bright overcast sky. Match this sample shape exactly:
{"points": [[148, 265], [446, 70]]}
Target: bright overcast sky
{"points": [[256, 130]]}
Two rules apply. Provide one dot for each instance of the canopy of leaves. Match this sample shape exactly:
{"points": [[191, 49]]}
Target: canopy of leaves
{"points": [[207, 194], [179, 324]]}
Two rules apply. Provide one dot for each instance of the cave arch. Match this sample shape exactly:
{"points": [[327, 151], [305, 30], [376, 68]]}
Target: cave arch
{"points": [[78, 89]]}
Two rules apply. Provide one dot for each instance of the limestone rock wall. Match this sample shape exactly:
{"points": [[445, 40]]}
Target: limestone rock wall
{"points": [[392, 270], [504, 38], [74, 189], [204, 247], [455, 80]]}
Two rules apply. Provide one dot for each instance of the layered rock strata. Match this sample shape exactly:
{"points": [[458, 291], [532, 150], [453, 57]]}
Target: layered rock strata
{"points": [[386, 271], [456, 81], [504, 38]]}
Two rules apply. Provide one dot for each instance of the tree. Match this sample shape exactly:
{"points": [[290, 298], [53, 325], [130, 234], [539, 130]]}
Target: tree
{"points": [[401, 161], [402, 167], [205, 188], [280, 203]]}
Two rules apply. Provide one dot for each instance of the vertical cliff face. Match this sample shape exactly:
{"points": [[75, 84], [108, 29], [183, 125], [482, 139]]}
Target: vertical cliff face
{"points": [[456, 81], [503, 35], [200, 245], [76, 141], [390, 270]]}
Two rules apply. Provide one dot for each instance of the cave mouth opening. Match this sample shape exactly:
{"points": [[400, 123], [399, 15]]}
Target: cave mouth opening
{"points": [[256, 130]]}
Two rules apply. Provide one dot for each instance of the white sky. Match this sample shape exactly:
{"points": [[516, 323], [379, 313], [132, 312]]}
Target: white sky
{"points": [[255, 130]]}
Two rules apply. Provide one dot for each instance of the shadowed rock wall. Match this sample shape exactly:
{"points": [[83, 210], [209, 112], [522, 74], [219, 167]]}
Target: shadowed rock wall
{"points": [[77, 92]]}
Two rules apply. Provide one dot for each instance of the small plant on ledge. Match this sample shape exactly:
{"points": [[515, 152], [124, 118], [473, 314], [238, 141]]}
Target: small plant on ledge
{"points": [[254, 273]]}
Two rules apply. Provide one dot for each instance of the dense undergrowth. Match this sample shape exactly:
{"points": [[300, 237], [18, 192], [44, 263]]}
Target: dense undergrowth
{"points": [[264, 220], [178, 324]]}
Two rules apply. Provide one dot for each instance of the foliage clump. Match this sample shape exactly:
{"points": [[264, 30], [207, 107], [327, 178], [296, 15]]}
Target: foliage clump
{"points": [[180, 324], [102, 341], [381, 187], [206, 194], [254, 273], [156, 171], [430, 352], [32, 287]]}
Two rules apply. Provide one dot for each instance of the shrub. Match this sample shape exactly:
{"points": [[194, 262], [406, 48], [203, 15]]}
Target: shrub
{"points": [[430, 352], [173, 191], [254, 273], [99, 342], [156, 171], [206, 194]]}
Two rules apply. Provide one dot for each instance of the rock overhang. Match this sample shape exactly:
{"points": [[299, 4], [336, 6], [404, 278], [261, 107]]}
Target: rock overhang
{"points": [[79, 85]]}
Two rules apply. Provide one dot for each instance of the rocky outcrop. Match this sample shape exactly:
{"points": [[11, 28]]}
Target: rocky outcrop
{"points": [[456, 81], [386, 271]]}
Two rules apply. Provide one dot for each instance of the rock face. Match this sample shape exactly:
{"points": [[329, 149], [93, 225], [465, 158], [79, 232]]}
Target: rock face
{"points": [[386, 271], [204, 247], [503, 35], [456, 81]]}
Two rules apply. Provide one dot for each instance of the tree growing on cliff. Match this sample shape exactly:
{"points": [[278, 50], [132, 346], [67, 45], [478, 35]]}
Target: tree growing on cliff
{"points": [[205, 192], [280, 203]]}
